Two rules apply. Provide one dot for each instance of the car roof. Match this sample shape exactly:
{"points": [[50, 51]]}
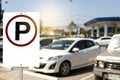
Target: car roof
{"points": [[42, 38], [105, 37], [76, 39]]}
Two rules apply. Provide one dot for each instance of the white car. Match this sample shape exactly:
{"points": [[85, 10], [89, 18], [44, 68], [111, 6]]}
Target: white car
{"points": [[107, 65], [66, 54], [103, 41]]}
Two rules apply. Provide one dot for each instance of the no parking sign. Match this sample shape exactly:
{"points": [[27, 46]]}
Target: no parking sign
{"points": [[21, 38]]}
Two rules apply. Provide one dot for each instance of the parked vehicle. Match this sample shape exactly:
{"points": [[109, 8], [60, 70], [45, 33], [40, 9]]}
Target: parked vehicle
{"points": [[1, 47], [107, 64], [103, 41], [67, 54], [44, 41]]}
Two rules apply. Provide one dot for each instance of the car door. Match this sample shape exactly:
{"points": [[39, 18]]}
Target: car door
{"points": [[92, 50], [79, 58]]}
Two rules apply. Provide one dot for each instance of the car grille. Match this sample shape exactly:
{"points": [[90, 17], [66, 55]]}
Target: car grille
{"points": [[42, 65], [110, 65]]}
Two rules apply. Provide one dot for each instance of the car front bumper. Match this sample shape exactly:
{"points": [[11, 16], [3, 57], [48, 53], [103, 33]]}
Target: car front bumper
{"points": [[104, 72], [43, 70], [47, 67]]}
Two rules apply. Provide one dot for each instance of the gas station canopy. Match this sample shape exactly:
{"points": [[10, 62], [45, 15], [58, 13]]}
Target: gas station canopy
{"points": [[102, 20], [104, 23]]}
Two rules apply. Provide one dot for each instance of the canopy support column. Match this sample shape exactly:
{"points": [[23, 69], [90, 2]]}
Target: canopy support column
{"points": [[105, 30], [92, 32], [98, 32]]}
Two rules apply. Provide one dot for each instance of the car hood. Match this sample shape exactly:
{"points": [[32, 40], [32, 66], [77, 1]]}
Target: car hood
{"points": [[46, 53], [109, 56]]}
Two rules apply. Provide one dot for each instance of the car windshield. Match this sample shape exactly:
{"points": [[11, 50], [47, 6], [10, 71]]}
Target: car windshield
{"points": [[60, 44]]}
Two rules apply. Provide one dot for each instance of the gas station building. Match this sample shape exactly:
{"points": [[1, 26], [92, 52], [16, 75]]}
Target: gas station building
{"points": [[104, 26]]}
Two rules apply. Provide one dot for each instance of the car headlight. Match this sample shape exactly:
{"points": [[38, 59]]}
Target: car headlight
{"points": [[99, 64], [96, 63], [54, 58]]}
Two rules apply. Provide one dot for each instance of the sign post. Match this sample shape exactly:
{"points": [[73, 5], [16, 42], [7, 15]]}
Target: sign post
{"points": [[21, 72]]}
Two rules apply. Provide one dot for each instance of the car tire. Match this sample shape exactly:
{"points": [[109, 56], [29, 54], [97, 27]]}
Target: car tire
{"points": [[98, 78], [64, 69]]}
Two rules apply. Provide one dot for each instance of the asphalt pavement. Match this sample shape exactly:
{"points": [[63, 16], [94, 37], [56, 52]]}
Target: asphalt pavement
{"points": [[15, 74]]}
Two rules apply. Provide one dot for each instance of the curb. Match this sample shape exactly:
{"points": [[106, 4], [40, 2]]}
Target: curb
{"points": [[40, 75]]}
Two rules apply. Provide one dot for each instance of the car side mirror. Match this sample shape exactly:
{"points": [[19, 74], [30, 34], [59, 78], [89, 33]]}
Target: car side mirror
{"points": [[75, 50]]}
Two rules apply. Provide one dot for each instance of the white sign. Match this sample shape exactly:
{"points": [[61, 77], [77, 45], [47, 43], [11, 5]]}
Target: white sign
{"points": [[21, 38]]}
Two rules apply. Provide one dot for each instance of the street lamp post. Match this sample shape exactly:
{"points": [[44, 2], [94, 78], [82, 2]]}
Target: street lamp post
{"points": [[78, 19], [0, 11], [78, 27], [71, 15], [0, 5]]}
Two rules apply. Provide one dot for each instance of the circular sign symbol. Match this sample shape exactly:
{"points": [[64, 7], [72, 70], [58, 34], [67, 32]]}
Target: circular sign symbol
{"points": [[14, 19]]}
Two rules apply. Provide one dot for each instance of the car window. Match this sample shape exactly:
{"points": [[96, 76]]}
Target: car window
{"points": [[1, 39], [45, 42], [81, 45], [60, 44], [105, 38], [90, 43]]}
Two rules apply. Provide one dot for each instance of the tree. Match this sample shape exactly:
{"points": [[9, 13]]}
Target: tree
{"points": [[72, 26], [47, 30], [83, 31]]}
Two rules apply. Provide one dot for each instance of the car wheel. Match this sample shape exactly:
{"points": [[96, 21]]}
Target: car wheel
{"points": [[64, 69], [98, 78]]}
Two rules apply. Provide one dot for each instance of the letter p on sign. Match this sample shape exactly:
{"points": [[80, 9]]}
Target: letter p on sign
{"points": [[21, 38], [18, 31]]}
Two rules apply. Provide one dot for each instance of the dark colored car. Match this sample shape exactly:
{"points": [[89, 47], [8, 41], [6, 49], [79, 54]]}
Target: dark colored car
{"points": [[44, 41]]}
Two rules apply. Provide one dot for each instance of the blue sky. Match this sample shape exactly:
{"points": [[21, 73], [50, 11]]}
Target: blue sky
{"points": [[62, 12]]}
